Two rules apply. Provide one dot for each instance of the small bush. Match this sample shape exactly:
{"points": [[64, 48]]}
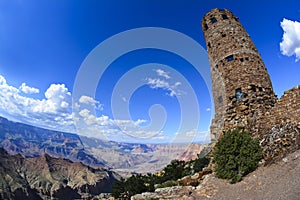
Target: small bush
{"points": [[236, 154], [169, 183], [200, 163]]}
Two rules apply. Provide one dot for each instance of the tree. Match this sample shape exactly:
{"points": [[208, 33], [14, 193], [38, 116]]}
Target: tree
{"points": [[200, 163], [118, 188], [236, 154], [174, 170]]}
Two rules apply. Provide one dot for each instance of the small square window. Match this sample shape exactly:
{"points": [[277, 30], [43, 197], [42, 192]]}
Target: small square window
{"points": [[205, 26], [220, 99], [253, 88], [213, 20], [238, 93], [229, 58], [224, 16]]}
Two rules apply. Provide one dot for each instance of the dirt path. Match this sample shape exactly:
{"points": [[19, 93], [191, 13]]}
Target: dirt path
{"points": [[278, 181]]}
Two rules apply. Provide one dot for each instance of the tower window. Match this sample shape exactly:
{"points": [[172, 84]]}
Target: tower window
{"points": [[213, 20], [220, 99], [253, 88], [242, 59], [238, 94], [205, 26], [223, 35], [224, 16], [221, 9], [208, 44], [229, 58]]}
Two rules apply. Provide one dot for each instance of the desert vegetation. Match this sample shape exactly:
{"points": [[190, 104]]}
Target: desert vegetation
{"points": [[236, 154]]}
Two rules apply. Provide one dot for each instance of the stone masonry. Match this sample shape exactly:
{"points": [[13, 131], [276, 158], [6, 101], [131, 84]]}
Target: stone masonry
{"points": [[242, 89]]}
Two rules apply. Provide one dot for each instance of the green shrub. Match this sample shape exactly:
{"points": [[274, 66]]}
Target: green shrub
{"points": [[169, 183], [173, 171], [200, 163], [236, 154]]}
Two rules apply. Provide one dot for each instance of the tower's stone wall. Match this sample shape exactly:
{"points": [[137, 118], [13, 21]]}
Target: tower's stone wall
{"points": [[280, 127], [286, 110], [242, 88]]}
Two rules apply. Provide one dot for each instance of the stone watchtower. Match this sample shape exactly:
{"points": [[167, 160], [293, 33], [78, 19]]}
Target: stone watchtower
{"points": [[242, 88]]}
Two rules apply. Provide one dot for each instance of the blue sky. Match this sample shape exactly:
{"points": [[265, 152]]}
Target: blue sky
{"points": [[44, 44]]}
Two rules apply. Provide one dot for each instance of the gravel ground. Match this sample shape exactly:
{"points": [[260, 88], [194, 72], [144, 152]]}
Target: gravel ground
{"points": [[278, 181]]}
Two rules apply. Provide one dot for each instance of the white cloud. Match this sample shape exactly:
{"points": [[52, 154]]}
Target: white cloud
{"points": [[90, 101], [208, 109], [87, 100], [58, 100], [155, 83], [28, 90], [162, 73], [290, 44], [52, 112], [104, 126]]}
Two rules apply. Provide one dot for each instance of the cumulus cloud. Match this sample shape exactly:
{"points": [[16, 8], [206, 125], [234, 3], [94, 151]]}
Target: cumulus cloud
{"points": [[28, 90], [52, 112], [87, 100], [290, 44], [58, 100], [90, 101], [104, 126]]}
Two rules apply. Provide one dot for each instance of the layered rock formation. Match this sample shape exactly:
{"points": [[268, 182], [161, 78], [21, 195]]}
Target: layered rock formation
{"points": [[32, 141], [47, 177], [125, 158]]}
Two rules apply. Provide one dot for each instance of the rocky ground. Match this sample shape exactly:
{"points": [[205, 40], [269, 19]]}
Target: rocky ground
{"points": [[280, 180]]}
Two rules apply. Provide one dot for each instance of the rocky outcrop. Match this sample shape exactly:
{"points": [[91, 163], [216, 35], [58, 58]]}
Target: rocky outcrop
{"points": [[47, 177], [176, 192], [32, 141]]}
